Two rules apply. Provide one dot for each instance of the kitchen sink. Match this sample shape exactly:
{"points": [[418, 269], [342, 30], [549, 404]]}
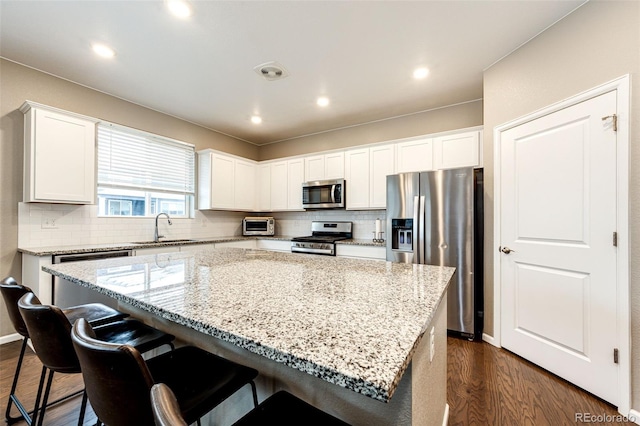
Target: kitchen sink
{"points": [[164, 241]]}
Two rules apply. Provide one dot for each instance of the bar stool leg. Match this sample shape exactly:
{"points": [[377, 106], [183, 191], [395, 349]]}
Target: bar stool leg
{"points": [[39, 394], [45, 398], [83, 408], [13, 399], [255, 394]]}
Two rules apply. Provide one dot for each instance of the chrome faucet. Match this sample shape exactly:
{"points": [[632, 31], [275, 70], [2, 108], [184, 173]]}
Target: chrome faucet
{"points": [[156, 237]]}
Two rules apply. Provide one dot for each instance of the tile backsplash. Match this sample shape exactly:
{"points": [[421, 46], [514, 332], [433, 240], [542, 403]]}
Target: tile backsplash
{"points": [[46, 225]]}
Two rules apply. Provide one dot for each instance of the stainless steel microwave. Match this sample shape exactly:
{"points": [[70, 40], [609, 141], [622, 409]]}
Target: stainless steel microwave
{"points": [[258, 226], [324, 194]]}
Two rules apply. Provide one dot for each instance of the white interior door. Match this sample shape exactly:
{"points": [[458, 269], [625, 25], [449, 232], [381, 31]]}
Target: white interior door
{"points": [[558, 259]]}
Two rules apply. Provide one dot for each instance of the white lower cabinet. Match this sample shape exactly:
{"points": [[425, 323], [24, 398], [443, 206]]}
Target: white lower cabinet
{"points": [[248, 244], [274, 245], [361, 252], [156, 250]]}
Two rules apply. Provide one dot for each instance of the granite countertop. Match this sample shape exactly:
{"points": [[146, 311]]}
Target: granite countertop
{"points": [[94, 248], [354, 323]]}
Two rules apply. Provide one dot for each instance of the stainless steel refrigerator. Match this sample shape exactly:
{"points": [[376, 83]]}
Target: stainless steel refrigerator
{"points": [[436, 218]]}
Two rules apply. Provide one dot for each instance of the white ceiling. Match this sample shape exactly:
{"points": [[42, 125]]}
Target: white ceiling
{"points": [[361, 54]]}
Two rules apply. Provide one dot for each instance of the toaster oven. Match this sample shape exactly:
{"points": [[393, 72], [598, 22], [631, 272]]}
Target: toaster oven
{"points": [[258, 226]]}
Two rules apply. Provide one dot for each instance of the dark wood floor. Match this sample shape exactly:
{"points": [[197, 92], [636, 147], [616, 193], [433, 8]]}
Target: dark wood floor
{"points": [[487, 386]]}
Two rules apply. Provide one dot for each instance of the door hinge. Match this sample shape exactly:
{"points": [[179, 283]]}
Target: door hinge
{"points": [[615, 355], [614, 117], [615, 239]]}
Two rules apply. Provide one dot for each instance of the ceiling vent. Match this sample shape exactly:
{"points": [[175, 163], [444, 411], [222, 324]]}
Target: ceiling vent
{"points": [[271, 71]]}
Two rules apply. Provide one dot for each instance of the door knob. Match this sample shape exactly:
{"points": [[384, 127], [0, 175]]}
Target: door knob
{"points": [[506, 250]]}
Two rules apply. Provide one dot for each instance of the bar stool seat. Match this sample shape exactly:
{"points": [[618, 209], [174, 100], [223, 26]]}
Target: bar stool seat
{"points": [[96, 313]]}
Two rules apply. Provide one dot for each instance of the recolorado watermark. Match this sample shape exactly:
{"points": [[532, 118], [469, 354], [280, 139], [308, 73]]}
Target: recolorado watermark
{"points": [[603, 418]]}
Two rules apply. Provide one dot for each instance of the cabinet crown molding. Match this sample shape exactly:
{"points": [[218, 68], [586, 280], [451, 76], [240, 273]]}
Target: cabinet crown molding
{"points": [[28, 105]]}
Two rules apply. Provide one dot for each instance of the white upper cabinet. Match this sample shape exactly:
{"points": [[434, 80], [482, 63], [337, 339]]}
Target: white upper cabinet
{"points": [[225, 182], [366, 171], [59, 156], [314, 168], [357, 176], [334, 165], [381, 164], [295, 178], [326, 166], [244, 185], [279, 186], [414, 155], [456, 150], [263, 187]]}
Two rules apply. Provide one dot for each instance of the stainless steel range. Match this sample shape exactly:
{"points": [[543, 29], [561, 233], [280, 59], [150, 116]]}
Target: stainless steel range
{"points": [[323, 238]]}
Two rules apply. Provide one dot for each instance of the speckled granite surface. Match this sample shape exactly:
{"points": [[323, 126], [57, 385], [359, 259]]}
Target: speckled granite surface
{"points": [[354, 323]]}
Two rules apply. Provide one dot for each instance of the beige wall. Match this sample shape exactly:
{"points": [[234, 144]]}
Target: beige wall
{"points": [[19, 83], [438, 120], [597, 43]]}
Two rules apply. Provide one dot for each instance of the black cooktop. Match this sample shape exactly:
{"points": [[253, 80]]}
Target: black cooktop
{"points": [[320, 239]]}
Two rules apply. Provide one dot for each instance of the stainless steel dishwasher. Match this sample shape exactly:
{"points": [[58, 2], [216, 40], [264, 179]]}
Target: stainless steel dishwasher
{"points": [[65, 293]]}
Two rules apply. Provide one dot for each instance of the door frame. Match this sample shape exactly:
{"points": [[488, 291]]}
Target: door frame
{"points": [[622, 86]]}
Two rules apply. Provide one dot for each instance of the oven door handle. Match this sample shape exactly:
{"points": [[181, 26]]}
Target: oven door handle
{"points": [[333, 193]]}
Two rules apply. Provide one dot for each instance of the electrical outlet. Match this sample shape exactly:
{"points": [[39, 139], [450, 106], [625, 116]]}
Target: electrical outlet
{"points": [[48, 222], [432, 343]]}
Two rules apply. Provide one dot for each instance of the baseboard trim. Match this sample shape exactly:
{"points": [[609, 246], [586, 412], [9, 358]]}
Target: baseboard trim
{"points": [[9, 338], [634, 416], [445, 418], [490, 340]]}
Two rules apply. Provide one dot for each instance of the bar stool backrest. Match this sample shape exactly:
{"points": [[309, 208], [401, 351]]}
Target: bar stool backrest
{"points": [[166, 410], [11, 293], [116, 378], [50, 333]]}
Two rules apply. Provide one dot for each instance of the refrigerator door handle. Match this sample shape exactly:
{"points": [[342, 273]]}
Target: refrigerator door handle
{"points": [[416, 230], [422, 236]]}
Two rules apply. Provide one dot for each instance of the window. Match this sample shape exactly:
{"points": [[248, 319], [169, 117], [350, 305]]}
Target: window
{"points": [[142, 174]]}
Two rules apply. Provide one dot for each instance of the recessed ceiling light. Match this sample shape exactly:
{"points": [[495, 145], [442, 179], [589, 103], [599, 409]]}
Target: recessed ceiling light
{"points": [[420, 73], [103, 50], [179, 8], [323, 101], [256, 119]]}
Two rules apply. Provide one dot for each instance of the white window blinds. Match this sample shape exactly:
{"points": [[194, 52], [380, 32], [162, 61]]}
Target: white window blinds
{"points": [[132, 159]]}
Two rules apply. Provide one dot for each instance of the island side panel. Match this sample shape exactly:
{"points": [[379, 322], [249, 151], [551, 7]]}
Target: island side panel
{"points": [[429, 378]]}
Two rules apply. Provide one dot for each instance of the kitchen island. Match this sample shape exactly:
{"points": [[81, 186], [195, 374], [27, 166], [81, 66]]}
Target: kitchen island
{"points": [[344, 334]]}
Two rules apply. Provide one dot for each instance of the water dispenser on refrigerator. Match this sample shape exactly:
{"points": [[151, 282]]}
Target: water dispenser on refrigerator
{"points": [[402, 234]]}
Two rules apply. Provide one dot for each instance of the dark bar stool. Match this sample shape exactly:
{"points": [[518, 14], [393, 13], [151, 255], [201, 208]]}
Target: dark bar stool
{"points": [[119, 381], [12, 291], [50, 332]]}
